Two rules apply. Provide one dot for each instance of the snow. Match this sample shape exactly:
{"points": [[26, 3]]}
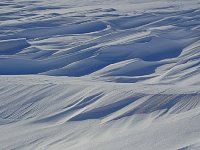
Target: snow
{"points": [[98, 75]]}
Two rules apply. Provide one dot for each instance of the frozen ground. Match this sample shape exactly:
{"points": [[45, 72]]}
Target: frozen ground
{"points": [[100, 75]]}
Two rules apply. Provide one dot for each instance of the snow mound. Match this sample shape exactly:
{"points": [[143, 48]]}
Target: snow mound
{"points": [[10, 47]]}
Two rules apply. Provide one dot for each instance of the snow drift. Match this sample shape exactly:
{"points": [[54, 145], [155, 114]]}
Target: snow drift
{"points": [[100, 75]]}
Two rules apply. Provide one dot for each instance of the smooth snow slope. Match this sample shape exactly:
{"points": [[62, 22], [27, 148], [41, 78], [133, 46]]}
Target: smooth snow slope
{"points": [[99, 75]]}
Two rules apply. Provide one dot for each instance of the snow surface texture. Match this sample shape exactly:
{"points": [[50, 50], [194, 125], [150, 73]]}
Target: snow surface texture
{"points": [[100, 75]]}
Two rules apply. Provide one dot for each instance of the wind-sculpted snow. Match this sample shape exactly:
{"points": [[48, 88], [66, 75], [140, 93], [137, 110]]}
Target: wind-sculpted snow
{"points": [[98, 75], [70, 44]]}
